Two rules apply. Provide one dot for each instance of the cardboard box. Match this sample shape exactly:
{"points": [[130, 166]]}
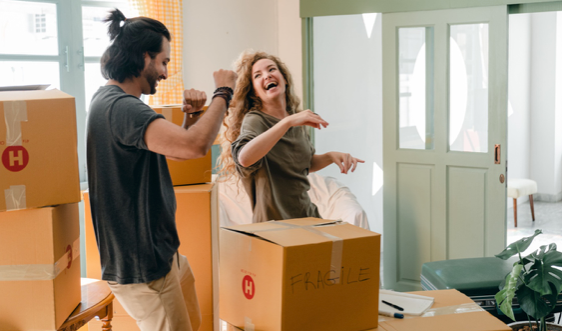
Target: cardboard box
{"points": [[39, 267], [453, 306], [187, 172], [197, 221], [283, 275], [197, 224], [449, 307], [38, 153]]}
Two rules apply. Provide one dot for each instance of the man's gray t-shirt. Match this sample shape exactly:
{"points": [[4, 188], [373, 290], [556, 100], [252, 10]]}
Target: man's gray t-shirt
{"points": [[277, 184], [131, 193]]}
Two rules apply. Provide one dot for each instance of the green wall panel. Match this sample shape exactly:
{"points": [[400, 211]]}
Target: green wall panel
{"points": [[312, 8]]}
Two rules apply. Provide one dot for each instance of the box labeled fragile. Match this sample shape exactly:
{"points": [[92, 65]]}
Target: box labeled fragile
{"points": [[301, 274], [39, 267], [196, 171], [39, 158]]}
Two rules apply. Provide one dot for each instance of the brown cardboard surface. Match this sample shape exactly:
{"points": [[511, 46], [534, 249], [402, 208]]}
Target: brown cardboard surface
{"points": [[197, 224], [93, 266], [39, 236], [473, 321], [285, 283], [476, 321], [48, 136], [187, 172]]}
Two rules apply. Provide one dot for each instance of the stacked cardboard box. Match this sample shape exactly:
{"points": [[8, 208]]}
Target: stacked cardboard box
{"points": [[190, 171], [39, 226], [197, 224]]}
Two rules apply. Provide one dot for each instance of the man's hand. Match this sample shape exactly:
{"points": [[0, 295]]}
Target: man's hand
{"points": [[193, 101], [225, 78]]}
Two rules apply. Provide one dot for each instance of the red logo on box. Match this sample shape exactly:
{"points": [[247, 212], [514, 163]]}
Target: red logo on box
{"points": [[248, 287], [15, 158]]}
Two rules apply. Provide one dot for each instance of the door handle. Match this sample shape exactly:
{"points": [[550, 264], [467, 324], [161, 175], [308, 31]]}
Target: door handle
{"points": [[497, 154]]}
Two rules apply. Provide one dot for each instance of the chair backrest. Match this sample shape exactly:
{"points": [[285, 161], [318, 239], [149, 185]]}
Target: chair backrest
{"points": [[333, 199]]}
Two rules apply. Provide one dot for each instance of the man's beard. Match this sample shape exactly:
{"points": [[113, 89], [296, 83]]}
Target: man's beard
{"points": [[151, 76]]}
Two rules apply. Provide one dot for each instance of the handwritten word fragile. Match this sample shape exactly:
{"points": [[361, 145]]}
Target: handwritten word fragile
{"points": [[318, 280]]}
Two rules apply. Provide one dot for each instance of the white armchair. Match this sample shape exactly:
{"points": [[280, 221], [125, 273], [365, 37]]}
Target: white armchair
{"points": [[334, 201]]}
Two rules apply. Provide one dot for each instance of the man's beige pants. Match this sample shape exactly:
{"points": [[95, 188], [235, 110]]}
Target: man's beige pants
{"points": [[166, 304]]}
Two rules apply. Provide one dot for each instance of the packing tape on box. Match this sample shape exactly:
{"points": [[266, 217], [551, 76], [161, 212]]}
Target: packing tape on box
{"points": [[15, 197], [448, 310], [248, 326], [15, 112], [337, 244], [41, 271]]}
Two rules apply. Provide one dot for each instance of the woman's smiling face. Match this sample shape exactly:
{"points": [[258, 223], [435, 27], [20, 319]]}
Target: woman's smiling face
{"points": [[267, 80]]}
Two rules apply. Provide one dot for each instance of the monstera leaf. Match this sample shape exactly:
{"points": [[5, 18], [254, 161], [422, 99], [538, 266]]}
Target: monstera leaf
{"points": [[504, 298], [518, 247], [534, 304], [544, 274]]}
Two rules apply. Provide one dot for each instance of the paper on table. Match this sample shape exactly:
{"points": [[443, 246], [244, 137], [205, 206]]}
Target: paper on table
{"points": [[413, 304]]}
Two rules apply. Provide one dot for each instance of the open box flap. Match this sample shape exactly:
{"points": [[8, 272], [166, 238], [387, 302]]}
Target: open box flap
{"points": [[294, 232]]}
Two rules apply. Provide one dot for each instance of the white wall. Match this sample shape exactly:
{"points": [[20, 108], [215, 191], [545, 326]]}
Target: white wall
{"points": [[217, 31], [558, 105], [518, 137], [290, 40], [544, 143], [535, 94], [348, 95]]}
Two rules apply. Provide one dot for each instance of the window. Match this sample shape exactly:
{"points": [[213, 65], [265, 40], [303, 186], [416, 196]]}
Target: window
{"points": [[40, 26], [43, 42]]}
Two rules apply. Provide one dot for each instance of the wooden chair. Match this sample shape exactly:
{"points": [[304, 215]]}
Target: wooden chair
{"points": [[519, 187], [97, 300]]}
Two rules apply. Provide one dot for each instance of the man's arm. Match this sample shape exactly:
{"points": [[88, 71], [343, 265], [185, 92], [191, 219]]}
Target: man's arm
{"points": [[175, 142]]}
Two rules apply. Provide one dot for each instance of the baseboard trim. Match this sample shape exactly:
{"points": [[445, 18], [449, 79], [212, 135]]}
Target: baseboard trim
{"points": [[547, 197]]}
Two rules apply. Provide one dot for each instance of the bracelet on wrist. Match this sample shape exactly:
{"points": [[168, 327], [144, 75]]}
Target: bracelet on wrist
{"points": [[227, 97], [196, 113], [224, 89]]}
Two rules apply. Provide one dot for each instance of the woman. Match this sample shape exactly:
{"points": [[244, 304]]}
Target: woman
{"points": [[266, 143]]}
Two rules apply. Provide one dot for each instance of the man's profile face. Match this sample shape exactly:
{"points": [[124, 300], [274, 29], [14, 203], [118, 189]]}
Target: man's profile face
{"points": [[157, 68]]}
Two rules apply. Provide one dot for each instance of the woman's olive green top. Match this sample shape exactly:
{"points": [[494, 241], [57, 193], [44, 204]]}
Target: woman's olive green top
{"points": [[277, 184]]}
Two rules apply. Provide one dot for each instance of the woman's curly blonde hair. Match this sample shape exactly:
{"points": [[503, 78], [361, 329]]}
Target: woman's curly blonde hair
{"points": [[243, 101]]}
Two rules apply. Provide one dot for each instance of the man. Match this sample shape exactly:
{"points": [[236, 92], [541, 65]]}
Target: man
{"points": [[132, 197]]}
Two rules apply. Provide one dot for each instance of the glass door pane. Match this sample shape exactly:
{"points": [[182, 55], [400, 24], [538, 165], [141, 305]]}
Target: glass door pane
{"points": [[94, 29], [468, 88], [28, 28], [415, 70], [95, 35], [94, 80]]}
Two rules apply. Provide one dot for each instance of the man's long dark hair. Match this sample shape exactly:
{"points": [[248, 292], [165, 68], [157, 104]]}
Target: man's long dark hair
{"points": [[131, 39]]}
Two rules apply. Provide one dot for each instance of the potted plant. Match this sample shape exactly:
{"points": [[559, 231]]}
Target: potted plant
{"points": [[535, 281]]}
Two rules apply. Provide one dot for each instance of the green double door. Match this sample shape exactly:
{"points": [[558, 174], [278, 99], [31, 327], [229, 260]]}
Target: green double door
{"points": [[444, 136]]}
